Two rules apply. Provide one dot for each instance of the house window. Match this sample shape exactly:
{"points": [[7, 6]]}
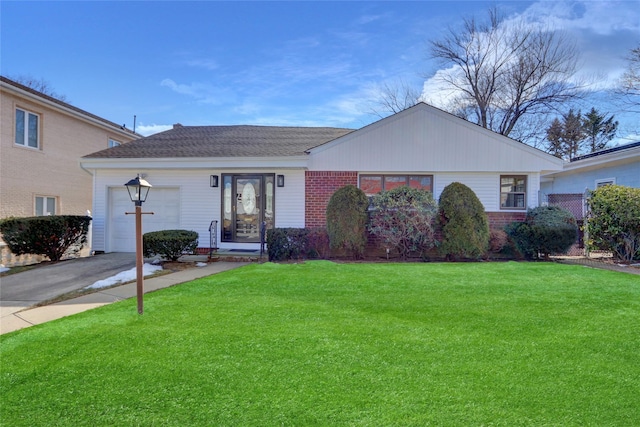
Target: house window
{"points": [[45, 205], [606, 181], [513, 192], [27, 125], [113, 143], [373, 184]]}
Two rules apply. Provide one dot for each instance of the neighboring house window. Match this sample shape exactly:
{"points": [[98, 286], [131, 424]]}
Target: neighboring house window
{"points": [[27, 127], [45, 205], [606, 181], [373, 184], [513, 192], [113, 143]]}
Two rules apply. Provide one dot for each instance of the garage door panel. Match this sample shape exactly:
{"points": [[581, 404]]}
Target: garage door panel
{"points": [[163, 202]]}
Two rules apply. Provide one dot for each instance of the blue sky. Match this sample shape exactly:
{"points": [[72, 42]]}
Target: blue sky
{"points": [[297, 63]]}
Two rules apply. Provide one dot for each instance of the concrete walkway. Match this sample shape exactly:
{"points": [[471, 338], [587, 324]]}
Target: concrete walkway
{"points": [[14, 318]]}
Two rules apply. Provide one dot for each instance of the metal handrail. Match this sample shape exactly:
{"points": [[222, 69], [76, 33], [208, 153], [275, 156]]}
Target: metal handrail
{"points": [[213, 237]]}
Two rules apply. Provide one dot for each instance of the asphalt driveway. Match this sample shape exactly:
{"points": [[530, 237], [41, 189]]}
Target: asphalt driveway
{"points": [[21, 290]]}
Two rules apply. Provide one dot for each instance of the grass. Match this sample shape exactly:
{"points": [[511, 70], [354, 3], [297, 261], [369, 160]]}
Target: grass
{"points": [[500, 344]]}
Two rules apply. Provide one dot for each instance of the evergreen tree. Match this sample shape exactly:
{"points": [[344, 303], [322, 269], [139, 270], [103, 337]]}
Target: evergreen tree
{"points": [[566, 137], [598, 129]]}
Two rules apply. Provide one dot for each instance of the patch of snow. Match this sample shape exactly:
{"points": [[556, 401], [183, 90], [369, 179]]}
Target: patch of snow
{"points": [[201, 264], [125, 276], [3, 268]]}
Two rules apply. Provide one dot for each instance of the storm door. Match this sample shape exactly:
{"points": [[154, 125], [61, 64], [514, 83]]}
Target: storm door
{"points": [[247, 202]]}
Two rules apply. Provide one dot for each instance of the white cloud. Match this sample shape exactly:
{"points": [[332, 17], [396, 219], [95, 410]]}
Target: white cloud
{"points": [[146, 130], [204, 93], [600, 17], [208, 64]]}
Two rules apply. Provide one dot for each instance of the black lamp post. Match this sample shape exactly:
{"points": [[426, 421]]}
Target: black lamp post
{"points": [[138, 190]]}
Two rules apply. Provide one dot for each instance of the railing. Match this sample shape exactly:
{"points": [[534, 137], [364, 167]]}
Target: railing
{"points": [[213, 237]]}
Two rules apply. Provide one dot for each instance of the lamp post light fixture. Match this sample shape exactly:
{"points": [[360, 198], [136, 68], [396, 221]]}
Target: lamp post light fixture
{"points": [[138, 190]]}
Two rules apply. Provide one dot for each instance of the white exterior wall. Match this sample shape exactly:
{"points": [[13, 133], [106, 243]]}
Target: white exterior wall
{"points": [[577, 182], [199, 203], [487, 188], [423, 139]]}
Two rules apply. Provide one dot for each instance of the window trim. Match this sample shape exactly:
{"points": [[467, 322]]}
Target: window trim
{"points": [[44, 203], [25, 136], [383, 177], [113, 143], [524, 193]]}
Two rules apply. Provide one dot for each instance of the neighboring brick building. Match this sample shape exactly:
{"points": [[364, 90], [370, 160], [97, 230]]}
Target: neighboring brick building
{"points": [[41, 142]]}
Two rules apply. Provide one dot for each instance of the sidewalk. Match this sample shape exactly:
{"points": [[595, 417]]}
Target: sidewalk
{"points": [[14, 318]]}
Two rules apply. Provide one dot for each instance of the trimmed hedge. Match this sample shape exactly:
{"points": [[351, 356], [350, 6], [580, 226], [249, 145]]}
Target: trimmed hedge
{"points": [[52, 236], [297, 243], [614, 221], [547, 230], [170, 244]]}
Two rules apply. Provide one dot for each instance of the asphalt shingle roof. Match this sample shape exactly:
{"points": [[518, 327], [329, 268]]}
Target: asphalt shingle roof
{"points": [[225, 141]]}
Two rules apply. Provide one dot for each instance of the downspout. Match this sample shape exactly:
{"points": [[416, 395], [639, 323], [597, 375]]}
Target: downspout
{"points": [[93, 174]]}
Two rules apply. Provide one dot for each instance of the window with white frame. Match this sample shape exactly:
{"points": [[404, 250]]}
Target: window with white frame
{"points": [[45, 205], [513, 192], [27, 128], [113, 143]]}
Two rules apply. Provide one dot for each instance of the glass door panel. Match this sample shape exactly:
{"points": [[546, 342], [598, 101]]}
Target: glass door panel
{"points": [[247, 202], [248, 208]]}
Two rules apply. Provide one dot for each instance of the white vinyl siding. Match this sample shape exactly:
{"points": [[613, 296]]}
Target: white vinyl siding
{"points": [[423, 139], [197, 205], [486, 186]]}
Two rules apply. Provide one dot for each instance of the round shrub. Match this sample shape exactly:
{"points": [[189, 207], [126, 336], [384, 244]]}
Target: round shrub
{"points": [[170, 244], [403, 218], [465, 227], [547, 230], [347, 219]]}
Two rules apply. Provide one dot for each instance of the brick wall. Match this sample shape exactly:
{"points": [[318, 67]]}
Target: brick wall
{"points": [[501, 219], [319, 186]]}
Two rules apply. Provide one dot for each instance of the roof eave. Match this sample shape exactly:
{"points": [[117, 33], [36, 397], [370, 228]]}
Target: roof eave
{"points": [[296, 162]]}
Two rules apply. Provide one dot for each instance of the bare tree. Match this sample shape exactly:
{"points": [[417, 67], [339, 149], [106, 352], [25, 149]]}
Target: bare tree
{"points": [[630, 82], [41, 85], [394, 97], [506, 71]]}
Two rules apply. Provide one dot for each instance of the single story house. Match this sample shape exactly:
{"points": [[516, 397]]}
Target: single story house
{"points": [[569, 187], [234, 178]]}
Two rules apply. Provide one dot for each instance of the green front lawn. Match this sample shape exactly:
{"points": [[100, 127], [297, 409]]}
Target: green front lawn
{"points": [[500, 344]]}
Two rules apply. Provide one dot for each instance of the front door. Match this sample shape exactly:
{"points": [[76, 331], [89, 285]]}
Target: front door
{"points": [[247, 202]]}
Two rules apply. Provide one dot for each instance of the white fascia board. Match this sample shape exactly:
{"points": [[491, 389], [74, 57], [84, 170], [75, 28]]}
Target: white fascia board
{"points": [[295, 162], [605, 160], [61, 108]]}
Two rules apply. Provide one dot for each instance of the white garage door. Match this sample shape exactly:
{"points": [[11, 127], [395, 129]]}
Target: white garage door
{"points": [[163, 202]]}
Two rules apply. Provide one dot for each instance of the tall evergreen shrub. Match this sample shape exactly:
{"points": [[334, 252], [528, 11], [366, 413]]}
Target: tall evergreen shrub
{"points": [[613, 223], [347, 219], [465, 227]]}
